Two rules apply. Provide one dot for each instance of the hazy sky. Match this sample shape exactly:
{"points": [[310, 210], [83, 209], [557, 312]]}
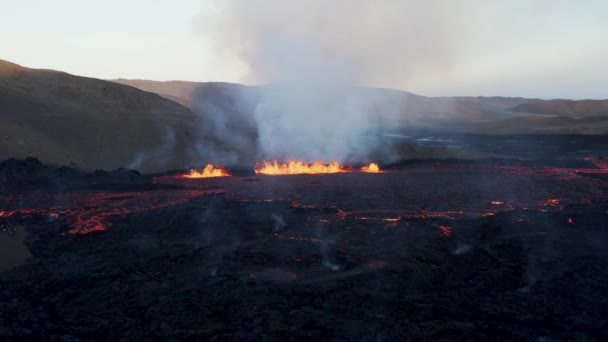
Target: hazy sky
{"points": [[536, 48]]}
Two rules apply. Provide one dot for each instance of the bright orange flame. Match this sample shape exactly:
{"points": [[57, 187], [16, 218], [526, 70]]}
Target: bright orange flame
{"points": [[371, 168], [6, 213], [298, 167], [208, 172]]}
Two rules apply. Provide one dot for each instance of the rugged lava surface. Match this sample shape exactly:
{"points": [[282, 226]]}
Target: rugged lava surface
{"points": [[445, 250]]}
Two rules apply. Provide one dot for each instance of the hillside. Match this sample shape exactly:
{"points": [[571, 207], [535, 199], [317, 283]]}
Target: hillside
{"points": [[564, 107], [487, 115], [154, 126], [90, 123]]}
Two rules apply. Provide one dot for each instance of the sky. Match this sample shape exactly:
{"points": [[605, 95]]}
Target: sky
{"points": [[541, 48]]}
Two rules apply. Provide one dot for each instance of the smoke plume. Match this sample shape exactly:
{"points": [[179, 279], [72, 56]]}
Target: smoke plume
{"points": [[377, 43], [315, 54]]}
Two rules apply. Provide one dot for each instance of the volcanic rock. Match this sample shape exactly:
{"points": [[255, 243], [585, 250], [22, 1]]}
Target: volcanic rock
{"points": [[22, 175]]}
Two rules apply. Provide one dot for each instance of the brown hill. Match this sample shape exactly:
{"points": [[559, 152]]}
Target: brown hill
{"points": [[90, 123], [487, 115], [565, 107]]}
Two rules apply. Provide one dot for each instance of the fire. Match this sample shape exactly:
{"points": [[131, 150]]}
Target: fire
{"points": [[208, 171], [6, 213], [552, 202], [371, 168], [497, 202], [298, 167]]}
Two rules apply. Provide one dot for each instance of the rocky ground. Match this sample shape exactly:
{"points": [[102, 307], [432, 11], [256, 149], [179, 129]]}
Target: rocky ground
{"points": [[431, 251]]}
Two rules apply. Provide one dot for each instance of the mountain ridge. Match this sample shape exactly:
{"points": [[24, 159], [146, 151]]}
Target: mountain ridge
{"points": [[156, 126], [471, 112], [89, 123]]}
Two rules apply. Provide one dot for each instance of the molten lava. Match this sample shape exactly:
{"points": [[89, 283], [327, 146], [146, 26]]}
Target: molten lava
{"points": [[298, 167], [208, 172], [447, 231], [6, 213], [371, 168]]}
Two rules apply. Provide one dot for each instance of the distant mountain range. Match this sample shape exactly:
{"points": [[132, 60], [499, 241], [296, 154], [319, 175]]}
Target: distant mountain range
{"points": [[484, 115], [155, 126]]}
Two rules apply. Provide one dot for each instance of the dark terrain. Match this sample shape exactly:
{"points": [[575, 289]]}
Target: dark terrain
{"points": [[489, 222], [446, 250]]}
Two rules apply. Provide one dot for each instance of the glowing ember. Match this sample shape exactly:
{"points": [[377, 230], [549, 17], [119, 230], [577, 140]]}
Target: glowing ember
{"points": [[497, 202], [298, 167], [447, 231], [208, 172], [570, 220], [6, 213], [552, 202], [371, 168]]}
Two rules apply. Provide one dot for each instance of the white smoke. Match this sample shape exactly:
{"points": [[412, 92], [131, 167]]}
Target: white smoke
{"points": [[378, 43], [326, 246], [160, 155], [279, 222], [310, 121], [438, 47], [315, 53]]}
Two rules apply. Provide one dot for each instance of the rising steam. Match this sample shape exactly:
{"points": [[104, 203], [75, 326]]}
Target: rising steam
{"points": [[315, 53]]}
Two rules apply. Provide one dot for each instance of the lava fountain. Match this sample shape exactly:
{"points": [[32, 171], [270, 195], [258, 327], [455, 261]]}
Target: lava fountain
{"points": [[371, 168], [298, 167], [208, 172]]}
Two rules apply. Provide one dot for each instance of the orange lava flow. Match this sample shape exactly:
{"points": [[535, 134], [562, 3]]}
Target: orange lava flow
{"points": [[6, 213], [298, 167], [86, 211], [371, 168], [208, 172], [447, 231]]}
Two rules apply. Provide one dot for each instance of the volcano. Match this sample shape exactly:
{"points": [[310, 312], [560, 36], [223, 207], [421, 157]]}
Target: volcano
{"points": [[486, 223]]}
